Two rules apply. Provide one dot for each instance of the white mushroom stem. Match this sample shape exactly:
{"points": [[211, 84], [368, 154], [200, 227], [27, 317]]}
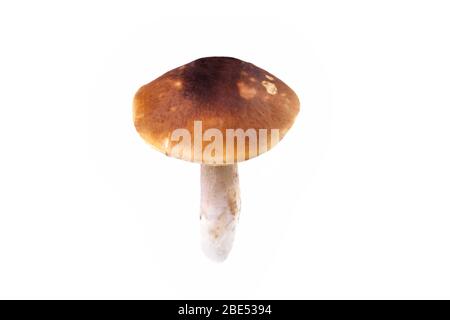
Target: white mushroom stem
{"points": [[219, 210]]}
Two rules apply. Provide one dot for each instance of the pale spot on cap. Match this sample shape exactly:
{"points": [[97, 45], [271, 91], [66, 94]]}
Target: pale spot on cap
{"points": [[271, 88], [245, 91], [269, 77], [139, 115], [178, 84], [165, 144]]}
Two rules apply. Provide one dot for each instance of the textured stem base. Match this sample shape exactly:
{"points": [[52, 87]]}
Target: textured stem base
{"points": [[219, 209]]}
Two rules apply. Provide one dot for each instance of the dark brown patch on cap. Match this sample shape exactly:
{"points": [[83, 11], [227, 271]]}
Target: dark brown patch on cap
{"points": [[206, 79]]}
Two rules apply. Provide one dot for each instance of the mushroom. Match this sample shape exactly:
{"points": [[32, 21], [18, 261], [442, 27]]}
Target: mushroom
{"points": [[215, 111]]}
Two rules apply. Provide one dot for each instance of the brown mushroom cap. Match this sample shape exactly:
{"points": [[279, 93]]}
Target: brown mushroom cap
{"points": [[221, 92]]}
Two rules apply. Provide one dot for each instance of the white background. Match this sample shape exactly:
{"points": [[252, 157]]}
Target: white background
{"points": [[353, 203]]}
